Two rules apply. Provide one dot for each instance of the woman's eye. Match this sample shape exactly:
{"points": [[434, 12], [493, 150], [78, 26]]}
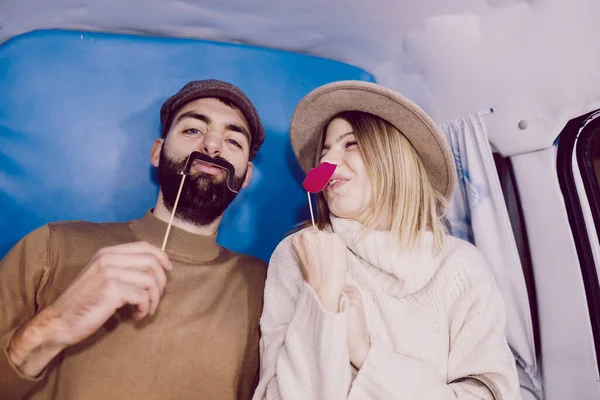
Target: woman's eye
{"points": [[351, 143]]}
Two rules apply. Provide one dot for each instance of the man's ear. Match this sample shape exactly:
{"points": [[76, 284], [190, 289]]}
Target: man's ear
{"points": [[155, 153], [248, 174]]}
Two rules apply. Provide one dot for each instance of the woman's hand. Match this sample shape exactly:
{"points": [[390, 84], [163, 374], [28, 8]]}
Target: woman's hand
{"points": [[322, 257], [359, 341]]}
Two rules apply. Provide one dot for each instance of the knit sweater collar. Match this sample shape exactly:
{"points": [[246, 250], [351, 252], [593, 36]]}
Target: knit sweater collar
{"points": [[181, 244], [398, 272]]}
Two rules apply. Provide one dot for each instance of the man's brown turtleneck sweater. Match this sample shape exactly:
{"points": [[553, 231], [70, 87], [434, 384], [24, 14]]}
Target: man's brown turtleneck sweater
{"points": [[202, 342]]}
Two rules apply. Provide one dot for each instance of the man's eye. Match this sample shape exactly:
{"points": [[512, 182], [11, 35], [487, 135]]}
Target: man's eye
{"points": [[192, 131], [234, 142]]}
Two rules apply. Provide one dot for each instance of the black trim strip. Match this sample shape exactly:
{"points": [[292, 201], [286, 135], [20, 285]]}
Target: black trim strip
{"points": [[564, 165], [586, 166]]}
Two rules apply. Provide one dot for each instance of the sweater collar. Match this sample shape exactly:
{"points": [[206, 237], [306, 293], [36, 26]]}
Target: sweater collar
{"points": [[399, 272], [181, 244]]}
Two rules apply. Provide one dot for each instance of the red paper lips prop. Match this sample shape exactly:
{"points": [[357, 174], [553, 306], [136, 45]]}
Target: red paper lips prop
{"points": [[318, 178]]}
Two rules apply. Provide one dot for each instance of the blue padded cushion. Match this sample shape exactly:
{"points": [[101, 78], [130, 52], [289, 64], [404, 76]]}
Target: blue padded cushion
{"points": [[79, 112]]}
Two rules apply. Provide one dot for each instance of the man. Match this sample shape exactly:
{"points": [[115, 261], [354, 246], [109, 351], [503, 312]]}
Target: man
{"points": [[98, 311]]}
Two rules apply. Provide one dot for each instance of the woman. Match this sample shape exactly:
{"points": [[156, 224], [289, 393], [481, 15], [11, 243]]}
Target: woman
{"points": [[379, 302]]}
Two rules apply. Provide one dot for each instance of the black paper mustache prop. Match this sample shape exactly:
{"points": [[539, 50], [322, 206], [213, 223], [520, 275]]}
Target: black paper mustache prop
{"points": [[217, 162]]}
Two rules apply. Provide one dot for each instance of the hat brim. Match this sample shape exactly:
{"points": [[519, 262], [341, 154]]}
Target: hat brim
{"points": [[317, 109]]}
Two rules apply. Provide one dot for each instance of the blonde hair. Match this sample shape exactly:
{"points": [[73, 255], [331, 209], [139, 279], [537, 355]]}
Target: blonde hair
{"points": [[400, 185]]}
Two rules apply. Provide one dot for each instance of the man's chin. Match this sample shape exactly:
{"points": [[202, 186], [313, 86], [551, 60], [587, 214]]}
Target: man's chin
{"points": [[200, 176]]}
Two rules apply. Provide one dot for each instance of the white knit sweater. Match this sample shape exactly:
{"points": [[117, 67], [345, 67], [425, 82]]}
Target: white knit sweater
{"points": [[436, 325]]}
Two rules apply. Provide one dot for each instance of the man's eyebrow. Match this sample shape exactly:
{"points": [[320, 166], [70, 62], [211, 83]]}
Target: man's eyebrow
{"points": [[194, 115], [201, 117], [339, 139], [240, 129]]}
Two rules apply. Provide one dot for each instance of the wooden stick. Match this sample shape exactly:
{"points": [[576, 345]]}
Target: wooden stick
{"points": [[312, 217], [173, 212]]}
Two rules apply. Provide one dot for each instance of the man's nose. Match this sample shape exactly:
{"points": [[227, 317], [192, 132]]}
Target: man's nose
{"points": [[212, 144]]}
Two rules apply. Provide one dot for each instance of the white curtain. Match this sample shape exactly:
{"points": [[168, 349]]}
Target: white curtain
{"points": [[478, 214]]}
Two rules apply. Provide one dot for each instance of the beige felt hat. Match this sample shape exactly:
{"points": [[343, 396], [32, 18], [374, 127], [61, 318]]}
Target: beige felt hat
{"points": [[318, 107]]}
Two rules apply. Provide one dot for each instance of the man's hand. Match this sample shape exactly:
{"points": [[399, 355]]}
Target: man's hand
{"points": [[132, 273]]}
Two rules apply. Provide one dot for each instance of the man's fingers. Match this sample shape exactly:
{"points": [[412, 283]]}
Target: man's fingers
{"points": [[161, 278], [133, 295], [138, 248], [140, 262], [144, 280], [140, 270]]}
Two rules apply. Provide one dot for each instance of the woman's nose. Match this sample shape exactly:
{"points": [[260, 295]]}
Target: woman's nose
{"points": [[332, 157]]}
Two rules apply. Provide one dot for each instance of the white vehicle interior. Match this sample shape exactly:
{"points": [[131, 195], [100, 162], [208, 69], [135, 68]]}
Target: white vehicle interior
{"points": [[513, 82]]}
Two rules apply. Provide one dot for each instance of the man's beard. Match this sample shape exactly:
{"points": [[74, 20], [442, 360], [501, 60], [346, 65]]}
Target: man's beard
{"points": [[203, 198]]}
